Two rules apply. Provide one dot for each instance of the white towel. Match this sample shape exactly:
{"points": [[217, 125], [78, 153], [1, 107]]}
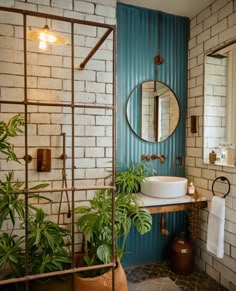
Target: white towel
{"points": [[216, 223]]}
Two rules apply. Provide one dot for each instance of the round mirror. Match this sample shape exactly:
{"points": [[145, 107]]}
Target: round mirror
{"points": [[153, 111]]}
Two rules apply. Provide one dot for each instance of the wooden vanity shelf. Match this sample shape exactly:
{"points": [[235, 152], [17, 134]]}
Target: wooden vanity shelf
{"points": [[173, 207]]}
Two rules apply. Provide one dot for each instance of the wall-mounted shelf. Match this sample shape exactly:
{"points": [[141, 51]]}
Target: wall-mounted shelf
{"points": [[173, 207], [157, 205]]}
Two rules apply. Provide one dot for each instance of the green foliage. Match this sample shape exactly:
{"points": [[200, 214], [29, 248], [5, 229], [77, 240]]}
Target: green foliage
{"points": [[45, 234], [129, 181], [48, 250], [44, 262], [96, 221], [96, 224], [11, 253], [11, 201], [7, 130], [46, 240]]}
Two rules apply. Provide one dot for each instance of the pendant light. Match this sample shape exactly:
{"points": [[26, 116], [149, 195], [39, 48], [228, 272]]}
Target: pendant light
{"points": [[158, 60], [44, 36]]}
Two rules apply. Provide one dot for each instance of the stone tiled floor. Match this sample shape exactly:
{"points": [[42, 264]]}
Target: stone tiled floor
{"points": [[198, 280], [163, 283]]}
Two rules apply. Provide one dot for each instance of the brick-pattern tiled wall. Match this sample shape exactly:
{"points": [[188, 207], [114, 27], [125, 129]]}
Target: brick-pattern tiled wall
{"points": [[49, 80], [213, 27]]}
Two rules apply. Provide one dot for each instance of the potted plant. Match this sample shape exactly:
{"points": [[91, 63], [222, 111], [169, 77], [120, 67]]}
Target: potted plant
{"points": [[46, 240], [96, 224], [48, 252]]}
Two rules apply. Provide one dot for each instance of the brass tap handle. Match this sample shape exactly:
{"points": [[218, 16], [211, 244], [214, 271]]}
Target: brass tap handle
{"points": [[153, 156], [145, 157], [161, 158]]}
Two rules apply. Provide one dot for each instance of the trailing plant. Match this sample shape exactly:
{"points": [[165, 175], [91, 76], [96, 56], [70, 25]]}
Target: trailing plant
{"points": [[7, 130], [129, 180], [96, 224]]}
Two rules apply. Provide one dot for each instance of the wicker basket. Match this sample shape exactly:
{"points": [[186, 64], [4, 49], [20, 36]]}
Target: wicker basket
{"points": [[103, 282]]}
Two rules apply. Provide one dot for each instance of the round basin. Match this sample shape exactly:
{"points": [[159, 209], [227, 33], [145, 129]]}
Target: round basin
{"points": [[164, 186]]}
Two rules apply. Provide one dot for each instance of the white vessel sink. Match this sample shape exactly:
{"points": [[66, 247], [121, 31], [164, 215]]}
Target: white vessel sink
{"points": [[164, 186]]}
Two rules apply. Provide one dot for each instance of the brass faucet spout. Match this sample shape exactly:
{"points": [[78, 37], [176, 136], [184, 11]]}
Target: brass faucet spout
{"points": [[161, 158]]}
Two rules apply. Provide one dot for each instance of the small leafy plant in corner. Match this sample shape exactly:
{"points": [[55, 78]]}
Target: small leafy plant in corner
{"points": [[129, 180]]}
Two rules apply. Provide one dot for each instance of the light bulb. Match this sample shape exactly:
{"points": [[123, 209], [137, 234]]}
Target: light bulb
{"points": [[42, 36], [51, 38], [43, 45]]}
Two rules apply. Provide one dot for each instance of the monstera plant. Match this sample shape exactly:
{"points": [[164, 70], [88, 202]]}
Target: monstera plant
{"points": [[95, 222]]}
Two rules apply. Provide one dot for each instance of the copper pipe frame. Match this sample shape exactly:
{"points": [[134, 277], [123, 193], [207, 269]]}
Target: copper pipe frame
{"points": [[56, 273], [93, 51], [55, 104], [26, 102]]}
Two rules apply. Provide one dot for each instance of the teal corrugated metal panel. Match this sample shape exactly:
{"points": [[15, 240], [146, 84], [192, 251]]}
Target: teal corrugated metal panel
{"points": [[134, 109], [137, 34], [136, 47], [137, 31], [154, 247]]}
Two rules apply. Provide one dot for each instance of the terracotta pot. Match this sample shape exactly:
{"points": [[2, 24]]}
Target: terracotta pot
{"points": [[182, 261], [103, 282]]}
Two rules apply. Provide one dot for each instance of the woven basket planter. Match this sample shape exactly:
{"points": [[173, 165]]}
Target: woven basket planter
{"points": [[103, 282]]}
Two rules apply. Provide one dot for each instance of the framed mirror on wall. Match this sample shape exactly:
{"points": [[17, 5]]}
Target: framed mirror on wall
{"points": [[153, 111], [220, 106]]}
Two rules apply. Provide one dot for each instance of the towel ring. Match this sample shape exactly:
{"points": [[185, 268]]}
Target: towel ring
{"points": [[222, 178]]}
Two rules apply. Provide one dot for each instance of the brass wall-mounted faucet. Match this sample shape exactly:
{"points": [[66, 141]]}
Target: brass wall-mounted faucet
{"points": [[147, 158], [161, 158]]}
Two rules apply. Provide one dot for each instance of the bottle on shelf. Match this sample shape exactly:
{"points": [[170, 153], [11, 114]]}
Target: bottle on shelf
{"points": [[191, 188]]}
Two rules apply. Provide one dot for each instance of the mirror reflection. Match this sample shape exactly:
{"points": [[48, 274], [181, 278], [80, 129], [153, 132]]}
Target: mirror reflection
{"points": [[153, 111], [220, 106]]}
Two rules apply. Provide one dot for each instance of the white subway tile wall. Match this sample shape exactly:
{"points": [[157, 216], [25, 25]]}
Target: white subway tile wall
{"points": [[49, 80], [213, 27]]}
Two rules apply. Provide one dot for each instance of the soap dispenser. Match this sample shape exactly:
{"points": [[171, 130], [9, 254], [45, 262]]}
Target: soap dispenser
{"points": [[212, 157], [191, 188]]}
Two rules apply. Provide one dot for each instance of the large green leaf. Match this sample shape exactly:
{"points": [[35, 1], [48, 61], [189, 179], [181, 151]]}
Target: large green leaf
{"points": [[142, 220], [82, 209], [104, 253], [87, 224]]}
